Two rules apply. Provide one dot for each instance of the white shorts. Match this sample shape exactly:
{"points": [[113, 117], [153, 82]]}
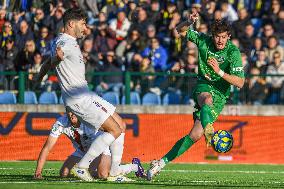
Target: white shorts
{"points": [[80, 154], [92, 110]]}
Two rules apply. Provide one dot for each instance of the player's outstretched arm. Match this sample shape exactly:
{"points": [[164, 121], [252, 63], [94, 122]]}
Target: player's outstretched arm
{"points": [[49, 144], [183, 26], [232, 79]]}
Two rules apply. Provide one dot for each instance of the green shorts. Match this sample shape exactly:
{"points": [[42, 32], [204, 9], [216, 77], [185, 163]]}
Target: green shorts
{"points": [[218, 100]]}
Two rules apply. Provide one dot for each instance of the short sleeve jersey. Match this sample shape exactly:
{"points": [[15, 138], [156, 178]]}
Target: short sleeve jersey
{"points": [[70, 71], [229, 60], [81, 137]]}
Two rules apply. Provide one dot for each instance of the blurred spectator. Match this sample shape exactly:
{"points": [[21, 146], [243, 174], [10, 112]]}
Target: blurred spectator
{"points": [[7, 32], [8, 55], [267, 31], [238, 25], [275, 82], [167, 15], [261, 62], [133, 44], [228, 12], [257, 46], [40, 19], [203, 28], [141, 22], [91, 60], [176, 44], [35, 68], [57, 21], [279, 25], [166, 40], [132, 11], [23, 35], [24, 59], [247, 39], [255, 90], [16, 21], [105, 41], [155, 13], [43, 43], [110, 9], [209, 11], [146, 82], [190, 64], [113, 82], [218, 15], [90, 6], [274, 11], [272, 46], [2, 18], [157, 54], [120, 26], [174, 83], [246, 64]]}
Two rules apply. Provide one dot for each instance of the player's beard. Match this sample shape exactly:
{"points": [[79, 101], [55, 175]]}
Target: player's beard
{"points": [[78, 32]]}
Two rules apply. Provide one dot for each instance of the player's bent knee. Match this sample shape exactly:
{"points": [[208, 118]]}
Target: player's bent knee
{"points": [[195, 136], [103, 174], [123, 126], [120, 122], [208, 100], [64, 172]]}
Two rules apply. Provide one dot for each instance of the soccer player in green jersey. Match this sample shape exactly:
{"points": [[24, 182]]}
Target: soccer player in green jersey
{"points": [[219, 67]]}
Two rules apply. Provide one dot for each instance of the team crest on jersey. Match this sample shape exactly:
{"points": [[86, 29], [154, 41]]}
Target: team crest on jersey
{"points": [[219, 58], [60, 44]]}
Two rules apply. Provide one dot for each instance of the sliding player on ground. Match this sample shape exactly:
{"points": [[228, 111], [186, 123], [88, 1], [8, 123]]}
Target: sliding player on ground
{"points": [[82, 137]]}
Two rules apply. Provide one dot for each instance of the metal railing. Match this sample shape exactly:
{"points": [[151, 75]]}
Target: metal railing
{"points": [[128, 78]]}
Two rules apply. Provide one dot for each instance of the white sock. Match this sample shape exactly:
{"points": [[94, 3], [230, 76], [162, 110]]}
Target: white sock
{"points": [[116, 149], [96, 148], [125, 169], [162, 163]]}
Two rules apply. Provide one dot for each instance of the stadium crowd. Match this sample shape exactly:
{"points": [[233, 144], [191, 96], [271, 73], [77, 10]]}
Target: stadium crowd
{"points": [[140, 36]]}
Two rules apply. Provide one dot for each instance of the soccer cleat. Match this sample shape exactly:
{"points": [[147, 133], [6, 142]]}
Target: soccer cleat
{"points": [[119, 178], [155, 169], [208, 133], [81, 173], [140, 172]]}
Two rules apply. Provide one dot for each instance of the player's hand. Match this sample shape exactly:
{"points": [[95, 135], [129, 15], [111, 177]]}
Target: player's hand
{"points": [[193, 17], [59, 53], [214, 64], [38, 175]]}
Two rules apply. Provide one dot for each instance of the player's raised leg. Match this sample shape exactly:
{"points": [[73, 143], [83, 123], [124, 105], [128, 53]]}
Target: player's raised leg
{"points": [[202, 125]]}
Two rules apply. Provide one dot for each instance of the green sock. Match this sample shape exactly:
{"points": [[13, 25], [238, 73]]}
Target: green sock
{"points": [[206, 115], [179, 148]]}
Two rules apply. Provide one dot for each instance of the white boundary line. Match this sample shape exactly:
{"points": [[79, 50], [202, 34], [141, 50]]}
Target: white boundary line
{"points": [[173, 170], [223, 171]]}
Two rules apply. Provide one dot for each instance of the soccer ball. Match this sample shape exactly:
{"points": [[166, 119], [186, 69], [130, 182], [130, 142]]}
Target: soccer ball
{"points": [[222, 141]]}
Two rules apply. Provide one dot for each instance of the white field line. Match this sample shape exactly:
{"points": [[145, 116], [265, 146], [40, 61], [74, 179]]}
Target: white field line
{"points": [[39, 182], [172, 170], [62, 181], [223, 171]]}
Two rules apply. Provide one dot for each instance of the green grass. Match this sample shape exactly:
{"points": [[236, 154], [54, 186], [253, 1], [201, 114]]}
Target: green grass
{"points": [[19, 175]]}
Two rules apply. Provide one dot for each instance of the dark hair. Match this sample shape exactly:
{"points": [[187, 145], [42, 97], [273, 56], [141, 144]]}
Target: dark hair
{"points": [[220, 26], [73, 14]]}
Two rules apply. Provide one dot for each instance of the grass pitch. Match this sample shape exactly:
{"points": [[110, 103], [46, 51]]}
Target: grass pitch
{"points": [[20, 175]]}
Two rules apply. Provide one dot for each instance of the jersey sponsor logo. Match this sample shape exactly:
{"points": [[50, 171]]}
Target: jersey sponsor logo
{"points": [[238, 69], [219, 58]]}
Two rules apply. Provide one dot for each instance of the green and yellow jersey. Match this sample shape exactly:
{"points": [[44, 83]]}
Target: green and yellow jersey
{"points": [[229, 60]]}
